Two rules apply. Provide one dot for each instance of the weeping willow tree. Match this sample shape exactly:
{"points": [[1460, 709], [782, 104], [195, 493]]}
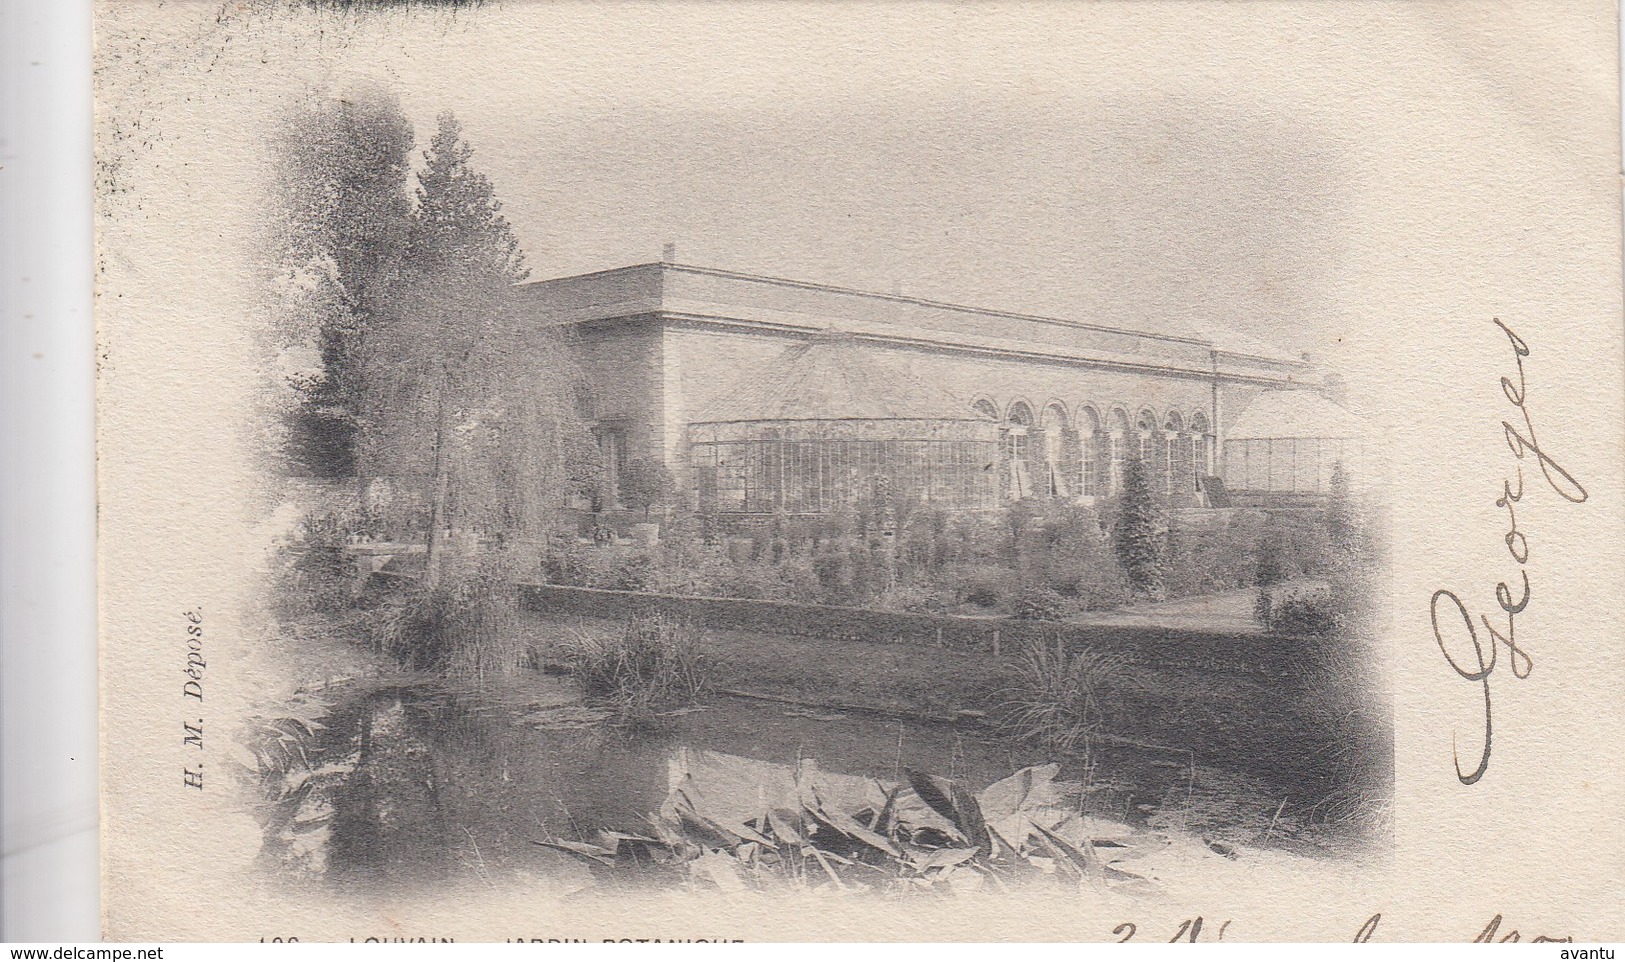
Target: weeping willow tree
{"points": [[472, 416], [475, 424]]}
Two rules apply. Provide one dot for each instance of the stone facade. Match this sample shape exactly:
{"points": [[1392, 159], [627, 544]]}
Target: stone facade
{"points": [[660, 343]]}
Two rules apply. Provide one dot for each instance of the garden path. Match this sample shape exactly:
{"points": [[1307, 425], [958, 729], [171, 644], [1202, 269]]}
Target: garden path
{"points": [[1229, 612]]}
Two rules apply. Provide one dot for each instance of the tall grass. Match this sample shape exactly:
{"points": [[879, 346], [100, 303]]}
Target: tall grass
{"points": [[467, 628], [654, 664], [1347, 712], [1059, 700]]}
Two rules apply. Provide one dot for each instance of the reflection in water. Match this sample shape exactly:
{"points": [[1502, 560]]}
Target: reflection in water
{"points": [[425, 783]]}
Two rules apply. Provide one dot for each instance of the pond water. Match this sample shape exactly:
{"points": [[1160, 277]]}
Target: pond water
{"points": [[425, 783]]}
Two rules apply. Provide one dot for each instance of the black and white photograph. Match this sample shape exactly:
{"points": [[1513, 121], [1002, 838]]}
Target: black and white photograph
{"points": [[669, 574], [892, 455]]}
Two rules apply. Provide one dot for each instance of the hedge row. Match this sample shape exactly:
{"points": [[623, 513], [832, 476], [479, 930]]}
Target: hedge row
{"points": [[1163, 647]]}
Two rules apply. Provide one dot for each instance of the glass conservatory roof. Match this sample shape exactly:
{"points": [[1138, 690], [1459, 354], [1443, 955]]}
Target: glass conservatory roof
{"points": [[833, 377], [1294, 414]]}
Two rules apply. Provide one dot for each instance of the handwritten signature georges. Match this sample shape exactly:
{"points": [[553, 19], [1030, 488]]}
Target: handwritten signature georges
{"points": [[1480, 662]]}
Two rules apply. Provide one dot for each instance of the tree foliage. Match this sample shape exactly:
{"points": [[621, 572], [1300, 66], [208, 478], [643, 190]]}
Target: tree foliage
{"points": [[1140, 535], [645, 483], [1272, 568], [471, 399], [431, 372], [458, 228], [344, 230], [1352, 549]]}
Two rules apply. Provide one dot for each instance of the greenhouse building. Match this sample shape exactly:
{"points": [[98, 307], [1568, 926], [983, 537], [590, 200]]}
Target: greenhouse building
{"points": [[762, 395], [1287, 444], [824, 426]]}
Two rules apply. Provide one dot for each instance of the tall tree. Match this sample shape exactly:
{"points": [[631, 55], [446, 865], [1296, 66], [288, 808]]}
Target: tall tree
{"points": [[458, 226], [1349, 565], [476, 402], [344, 231], [1140, 535]]}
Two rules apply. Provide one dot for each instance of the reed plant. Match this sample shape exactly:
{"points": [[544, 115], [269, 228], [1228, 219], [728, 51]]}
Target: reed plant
{"points": [[464, 628], [1059, 700], [654, 664]]}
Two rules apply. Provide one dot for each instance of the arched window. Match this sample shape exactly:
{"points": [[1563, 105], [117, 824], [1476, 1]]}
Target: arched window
{"points": [[1116, 438], [1200, 468], [1055, 424], [1089, 442], [1020, 414], [1173, 455], [1019, 423], [986, 409], [1145, 429]]}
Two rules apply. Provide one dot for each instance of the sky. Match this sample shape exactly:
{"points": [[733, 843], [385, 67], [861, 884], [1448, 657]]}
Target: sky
{"points": [[1025, 158], [1321, 177]]}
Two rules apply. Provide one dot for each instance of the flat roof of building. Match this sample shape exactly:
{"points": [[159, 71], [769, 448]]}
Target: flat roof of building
{"points": [[702, 293]]}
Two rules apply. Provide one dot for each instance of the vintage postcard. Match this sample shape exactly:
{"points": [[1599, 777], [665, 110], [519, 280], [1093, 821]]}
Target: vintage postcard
{"points": [[879, 471]]}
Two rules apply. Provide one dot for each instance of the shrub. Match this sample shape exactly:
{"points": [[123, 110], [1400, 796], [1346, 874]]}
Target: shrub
{"points": [[930, 560], [569, 565], [654, 664], [710, 573], [1301, 613], [687, 567], [795, 580], [1072, 556], [745, 579], [986, 586], [644, 483], [1039, 604], [1104, 594], [975, 538], [908, 596], [922, 546], [1293, 545], [467, 627], [1188, 572], [1263, 607], [614, 568], [680, 536], [840, 566], [635, 572], [1022, 518], [1253, 548], [1272, 557], [313, 572]]}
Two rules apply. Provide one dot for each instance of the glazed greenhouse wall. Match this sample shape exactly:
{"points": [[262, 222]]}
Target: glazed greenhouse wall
{"points": [[811, 467]]}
